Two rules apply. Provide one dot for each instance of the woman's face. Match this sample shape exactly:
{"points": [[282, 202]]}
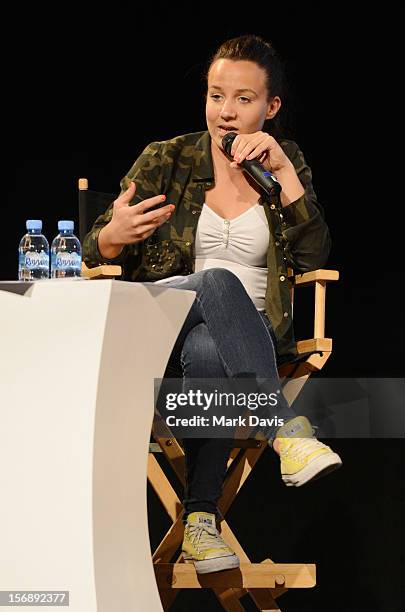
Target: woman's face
{"points": [[236, 99]]}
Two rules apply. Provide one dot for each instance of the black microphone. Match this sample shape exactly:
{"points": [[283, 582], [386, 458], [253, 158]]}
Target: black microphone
{"points": [[263, 177]]}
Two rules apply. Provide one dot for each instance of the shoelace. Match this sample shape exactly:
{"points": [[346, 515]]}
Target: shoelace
{"points": [[307, 446], [204, 537]]}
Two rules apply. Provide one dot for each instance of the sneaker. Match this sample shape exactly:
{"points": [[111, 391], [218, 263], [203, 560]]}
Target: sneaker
{"points": [[203, 546], [302, 456]]}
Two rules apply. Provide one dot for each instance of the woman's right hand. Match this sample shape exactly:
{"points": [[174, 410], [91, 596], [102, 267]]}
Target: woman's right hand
{"points": [[130, 224]]}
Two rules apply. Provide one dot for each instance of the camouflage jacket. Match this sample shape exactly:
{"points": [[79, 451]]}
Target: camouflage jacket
{"points": [[182, 169]]}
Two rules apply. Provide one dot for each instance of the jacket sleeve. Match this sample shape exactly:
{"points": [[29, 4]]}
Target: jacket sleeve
{"points": [[304, 233], [146, 173]]}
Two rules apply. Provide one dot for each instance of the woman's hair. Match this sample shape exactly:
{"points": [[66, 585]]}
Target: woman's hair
{"points": [[255, 49]]}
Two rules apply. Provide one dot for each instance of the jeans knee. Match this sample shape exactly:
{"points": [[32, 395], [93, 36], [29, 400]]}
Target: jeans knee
{"points": [[223, 278], [199, 355]]}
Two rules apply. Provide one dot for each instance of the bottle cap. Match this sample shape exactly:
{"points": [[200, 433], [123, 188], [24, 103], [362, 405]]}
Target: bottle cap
{"points": [[35, 224], [66, 225]]}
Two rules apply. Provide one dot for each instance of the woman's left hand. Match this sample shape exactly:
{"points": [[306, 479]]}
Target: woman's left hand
{"points": [[260, 146]]}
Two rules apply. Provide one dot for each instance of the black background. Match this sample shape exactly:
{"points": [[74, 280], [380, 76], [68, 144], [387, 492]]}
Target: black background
{"points": [[83, 95]]}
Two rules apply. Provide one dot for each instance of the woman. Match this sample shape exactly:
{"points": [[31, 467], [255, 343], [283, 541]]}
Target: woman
{"points": [[231, 244]]}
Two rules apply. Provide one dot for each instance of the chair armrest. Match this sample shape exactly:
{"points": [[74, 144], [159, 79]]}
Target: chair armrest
{"points": [[308, 278], [103, 271], [314, 345]]}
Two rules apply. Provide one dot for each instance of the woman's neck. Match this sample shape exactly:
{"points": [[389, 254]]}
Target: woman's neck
{"points": [[224, 172], [222, 165]]}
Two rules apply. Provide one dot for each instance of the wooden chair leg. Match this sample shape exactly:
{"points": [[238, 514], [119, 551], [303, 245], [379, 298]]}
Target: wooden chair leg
{"points": [[240, 466], [170, 544], [229, 598]]}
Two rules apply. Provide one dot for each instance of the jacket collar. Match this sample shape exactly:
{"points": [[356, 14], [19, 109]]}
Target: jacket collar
{"points": [[203, 167]]}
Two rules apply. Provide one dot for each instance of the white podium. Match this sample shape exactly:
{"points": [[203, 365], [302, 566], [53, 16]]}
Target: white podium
{"points": [[77, 363]]}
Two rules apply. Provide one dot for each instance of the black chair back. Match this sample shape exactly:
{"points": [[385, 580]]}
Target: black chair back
{"points": [[92, 204]]}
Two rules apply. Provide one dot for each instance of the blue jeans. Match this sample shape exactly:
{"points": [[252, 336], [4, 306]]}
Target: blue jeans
{"points": [[223, 336]]}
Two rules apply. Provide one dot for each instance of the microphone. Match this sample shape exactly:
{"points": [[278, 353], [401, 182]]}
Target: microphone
{"points": [[265, 179]]}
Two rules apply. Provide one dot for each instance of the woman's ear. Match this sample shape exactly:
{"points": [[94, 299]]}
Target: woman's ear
{"points": [[273, 107]]}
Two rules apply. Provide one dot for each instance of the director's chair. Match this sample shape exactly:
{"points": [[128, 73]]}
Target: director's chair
{"points": [[264, 581]]}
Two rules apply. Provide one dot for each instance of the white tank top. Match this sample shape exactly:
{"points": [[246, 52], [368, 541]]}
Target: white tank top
{"points": [[240, 245]]}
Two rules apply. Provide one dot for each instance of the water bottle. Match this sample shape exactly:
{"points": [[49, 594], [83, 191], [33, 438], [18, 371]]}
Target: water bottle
{"points": [[66, 252], [33, 253]]}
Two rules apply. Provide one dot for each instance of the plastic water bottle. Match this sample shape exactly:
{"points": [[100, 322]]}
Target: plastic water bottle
{"points": [[33, 253], [66, 252]]}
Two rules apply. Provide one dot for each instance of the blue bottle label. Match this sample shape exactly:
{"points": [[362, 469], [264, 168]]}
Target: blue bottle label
{"points": [[34, 260], [67, 260]]}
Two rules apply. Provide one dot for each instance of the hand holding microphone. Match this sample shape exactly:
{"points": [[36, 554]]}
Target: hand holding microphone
{"points": [[263, 177]]}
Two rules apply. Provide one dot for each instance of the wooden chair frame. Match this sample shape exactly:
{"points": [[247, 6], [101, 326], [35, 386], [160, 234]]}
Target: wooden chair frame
{"points": [[267, 580]]}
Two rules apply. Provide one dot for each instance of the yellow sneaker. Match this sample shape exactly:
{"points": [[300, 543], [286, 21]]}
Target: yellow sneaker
{"points": [[303, 457], [203, 546]]}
